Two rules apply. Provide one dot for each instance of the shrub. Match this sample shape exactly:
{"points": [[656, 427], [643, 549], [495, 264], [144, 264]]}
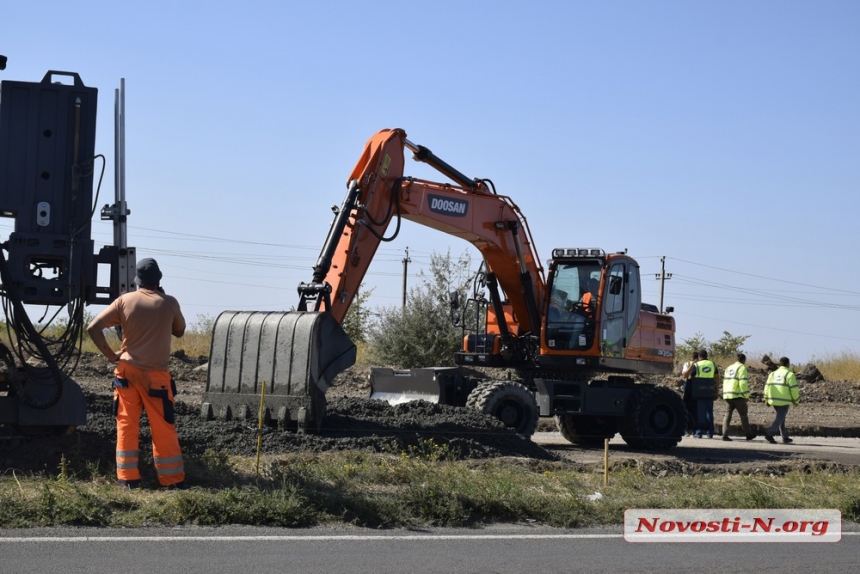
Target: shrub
{"points": [[421, 333]]}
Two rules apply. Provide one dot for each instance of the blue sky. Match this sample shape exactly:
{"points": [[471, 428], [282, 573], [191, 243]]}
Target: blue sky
{"points": [[723, 136]]}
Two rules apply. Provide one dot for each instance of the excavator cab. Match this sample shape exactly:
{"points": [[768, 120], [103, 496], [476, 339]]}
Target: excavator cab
{"points": [[603, 313], [592, 319], [571, 309]]}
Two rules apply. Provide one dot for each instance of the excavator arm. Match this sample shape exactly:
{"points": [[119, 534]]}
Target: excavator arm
{"points": [[379, 195], [292, 357]]}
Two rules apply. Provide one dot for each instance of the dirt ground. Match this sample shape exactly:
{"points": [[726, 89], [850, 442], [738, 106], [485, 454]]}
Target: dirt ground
{"points": [[353, 422]]}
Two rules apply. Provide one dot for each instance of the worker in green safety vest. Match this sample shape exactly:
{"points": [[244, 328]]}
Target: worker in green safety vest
{"points": [[736, 393], [781, 393], [704, 379]]}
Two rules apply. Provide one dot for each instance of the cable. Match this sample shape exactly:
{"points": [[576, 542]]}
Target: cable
{"points": [[28, 343], [393, 204]]}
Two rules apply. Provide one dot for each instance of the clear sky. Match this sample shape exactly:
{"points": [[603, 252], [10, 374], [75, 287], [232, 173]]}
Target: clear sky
{"points": [[723, 136]]}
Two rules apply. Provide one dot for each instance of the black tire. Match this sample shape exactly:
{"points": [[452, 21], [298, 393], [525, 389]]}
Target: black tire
{"points": [[657, 419], [511, 403], [586, 430]]}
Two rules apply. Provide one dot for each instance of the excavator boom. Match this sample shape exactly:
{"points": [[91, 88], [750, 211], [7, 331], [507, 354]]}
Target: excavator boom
{"points": [[379, 195]]}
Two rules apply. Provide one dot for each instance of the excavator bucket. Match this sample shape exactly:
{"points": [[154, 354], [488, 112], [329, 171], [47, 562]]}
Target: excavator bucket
{"points": [[295, 355], [443, 385]]}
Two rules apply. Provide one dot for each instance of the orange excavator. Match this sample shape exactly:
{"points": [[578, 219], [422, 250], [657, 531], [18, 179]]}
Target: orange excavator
{"points": [[566, 342]]}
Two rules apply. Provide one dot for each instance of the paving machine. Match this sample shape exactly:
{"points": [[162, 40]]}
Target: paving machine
{"points": [[48, 168], [567, 343]]}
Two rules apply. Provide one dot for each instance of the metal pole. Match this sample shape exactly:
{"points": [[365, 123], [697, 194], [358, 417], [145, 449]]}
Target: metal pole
{"points": [[406, 262], [662, 277], [120, 237], [127, 258]]}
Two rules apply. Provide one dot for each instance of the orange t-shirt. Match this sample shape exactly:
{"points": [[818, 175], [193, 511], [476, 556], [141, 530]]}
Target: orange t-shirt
{"points": [[148, 319]]}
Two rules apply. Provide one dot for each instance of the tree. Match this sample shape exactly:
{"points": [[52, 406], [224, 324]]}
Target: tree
{"points": [[728, 346], [357, 320], [204, 324], [695, 343], [421, 333]]}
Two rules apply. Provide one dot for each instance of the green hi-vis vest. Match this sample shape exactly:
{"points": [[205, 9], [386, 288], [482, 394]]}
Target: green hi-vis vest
{"points": [[736, 382], [703, 383], [705, 369], [781, 388]]}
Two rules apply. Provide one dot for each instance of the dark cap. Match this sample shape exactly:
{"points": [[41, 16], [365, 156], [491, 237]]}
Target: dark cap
{"points": [[148, 273]]}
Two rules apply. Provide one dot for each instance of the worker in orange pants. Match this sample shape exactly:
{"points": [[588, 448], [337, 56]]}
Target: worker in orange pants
{"points": [[148, 318], [135, 390]]}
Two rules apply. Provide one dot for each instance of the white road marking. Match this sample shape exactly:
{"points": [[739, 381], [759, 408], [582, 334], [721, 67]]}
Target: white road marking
{"points": [[330, 538]]}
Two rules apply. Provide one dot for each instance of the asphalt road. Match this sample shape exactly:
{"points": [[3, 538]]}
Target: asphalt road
{"points": [[507, 549], [715, 451]]}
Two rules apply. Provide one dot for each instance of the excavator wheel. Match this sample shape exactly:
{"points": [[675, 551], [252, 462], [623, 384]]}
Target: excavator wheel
{"points": [[586, 430], [657, 419], [511, 403]]}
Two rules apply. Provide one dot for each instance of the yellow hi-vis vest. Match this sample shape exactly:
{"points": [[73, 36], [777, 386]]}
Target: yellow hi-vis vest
{"points": [[781, 388], [736, 382]]}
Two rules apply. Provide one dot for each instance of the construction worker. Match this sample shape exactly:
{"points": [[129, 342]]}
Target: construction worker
{"points": [[689, 401], [736, 393], [147, 317], [703, 380], [780, 392]]}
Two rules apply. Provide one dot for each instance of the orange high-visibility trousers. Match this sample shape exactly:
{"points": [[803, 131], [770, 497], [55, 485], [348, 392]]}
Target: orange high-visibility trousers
{"points": [[135, 390]]}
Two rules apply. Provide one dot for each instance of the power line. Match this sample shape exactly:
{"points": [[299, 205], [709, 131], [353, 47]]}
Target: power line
{"points": [[387, 256], [768, 278], [771, 328]]}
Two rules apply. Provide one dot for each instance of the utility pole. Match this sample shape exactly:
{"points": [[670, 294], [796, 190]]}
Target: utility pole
{"points": [[406, 262], [662, 277]]}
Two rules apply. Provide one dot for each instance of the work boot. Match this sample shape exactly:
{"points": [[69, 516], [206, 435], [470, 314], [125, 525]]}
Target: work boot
{"points": [[727, 438], [129, 484], [177, 486], [769, 438], [787, 440], [751, 436]]}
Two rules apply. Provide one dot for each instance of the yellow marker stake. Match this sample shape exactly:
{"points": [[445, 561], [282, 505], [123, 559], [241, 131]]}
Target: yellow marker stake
{"points": [[260, 426], [606, 462]]}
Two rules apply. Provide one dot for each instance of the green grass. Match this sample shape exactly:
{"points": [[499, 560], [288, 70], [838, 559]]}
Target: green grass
{"points": [[417, 489]]}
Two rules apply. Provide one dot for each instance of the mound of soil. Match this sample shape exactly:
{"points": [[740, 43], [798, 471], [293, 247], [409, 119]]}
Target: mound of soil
{"points": [[351, 423]]}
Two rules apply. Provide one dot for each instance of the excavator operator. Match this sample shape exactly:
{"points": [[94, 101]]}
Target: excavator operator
{"points": [[589, 298]]}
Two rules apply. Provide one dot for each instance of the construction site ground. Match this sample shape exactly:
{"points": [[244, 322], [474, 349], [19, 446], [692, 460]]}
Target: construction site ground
{"points": [[354, 422]]}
